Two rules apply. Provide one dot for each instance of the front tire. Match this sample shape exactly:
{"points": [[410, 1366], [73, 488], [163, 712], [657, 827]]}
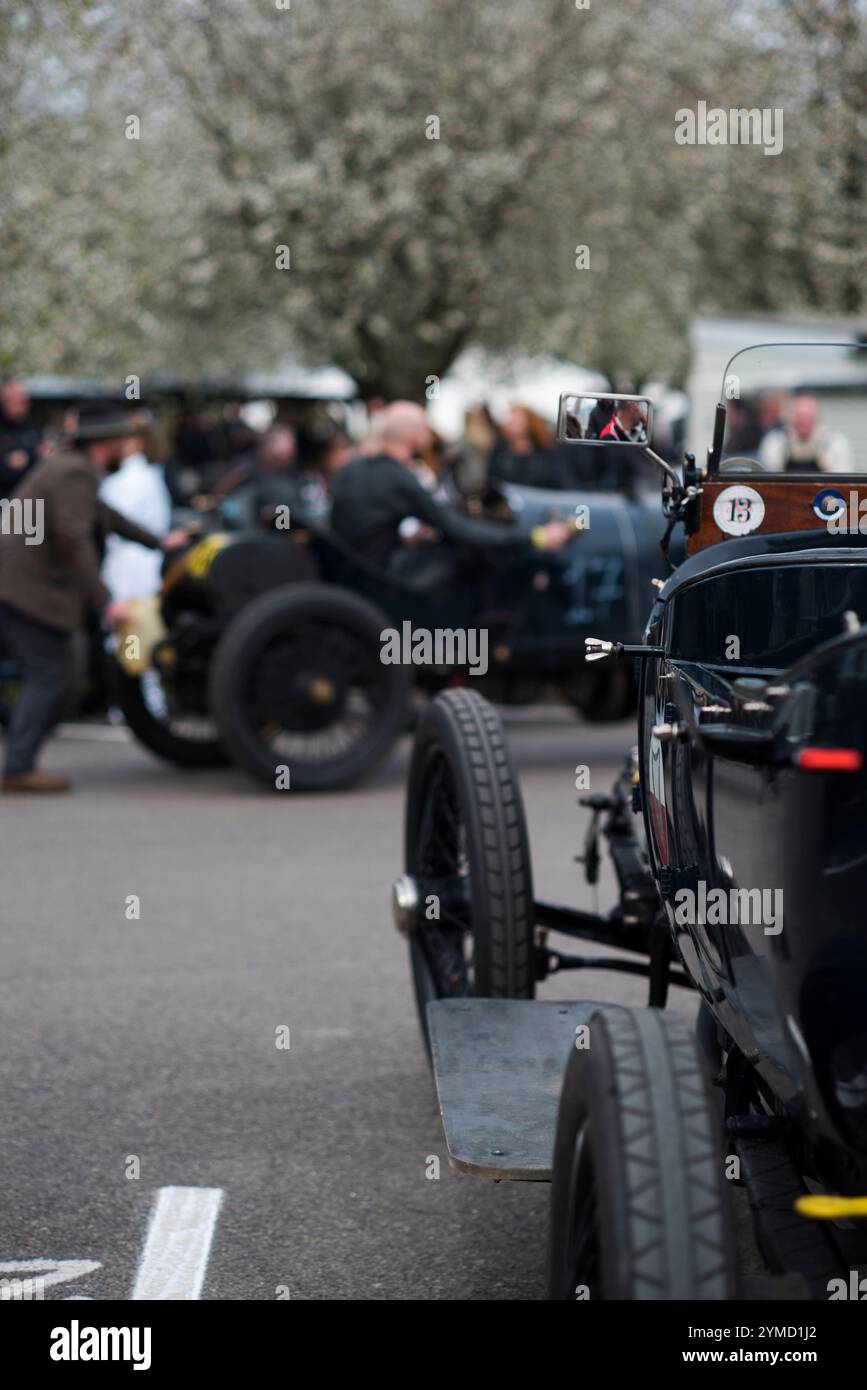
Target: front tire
{"points": [[468, 858], [297, 680], [188, 740], [639, 1204]]}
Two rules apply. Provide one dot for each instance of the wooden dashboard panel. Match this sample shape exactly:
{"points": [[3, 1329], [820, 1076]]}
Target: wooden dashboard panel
{"points": [[787, 506]]}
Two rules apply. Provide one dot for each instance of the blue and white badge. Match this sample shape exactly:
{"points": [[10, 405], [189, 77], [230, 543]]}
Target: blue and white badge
{"points": [[828, 503]]}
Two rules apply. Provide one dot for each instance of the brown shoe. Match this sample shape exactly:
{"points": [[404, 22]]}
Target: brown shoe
{"points": [[35, 781]]}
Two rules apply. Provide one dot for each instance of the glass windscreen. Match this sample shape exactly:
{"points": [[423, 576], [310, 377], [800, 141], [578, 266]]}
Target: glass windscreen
{"points": [[780, 614], [796, 410]]}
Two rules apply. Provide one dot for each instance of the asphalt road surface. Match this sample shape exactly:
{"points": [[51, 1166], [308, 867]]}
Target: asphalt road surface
{"points": [[139, 1054]]}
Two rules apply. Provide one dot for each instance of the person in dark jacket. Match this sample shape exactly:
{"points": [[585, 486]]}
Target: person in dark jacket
{"points": [[49, 574], [626, 424], [376, 492], [600, 415], [525, 451], [19, 436], [261, 482]]}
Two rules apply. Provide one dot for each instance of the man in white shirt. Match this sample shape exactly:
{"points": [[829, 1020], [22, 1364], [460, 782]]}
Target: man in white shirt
{"points": [[803, 444], [138, 491]]}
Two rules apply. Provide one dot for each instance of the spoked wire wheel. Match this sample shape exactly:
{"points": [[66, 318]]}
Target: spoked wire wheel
{"points": [[161, 722], [640, 1207], [298, 681], [465, 901]]}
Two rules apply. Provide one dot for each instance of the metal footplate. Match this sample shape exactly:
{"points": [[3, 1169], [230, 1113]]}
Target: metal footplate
{"points": [[499, 1066]]}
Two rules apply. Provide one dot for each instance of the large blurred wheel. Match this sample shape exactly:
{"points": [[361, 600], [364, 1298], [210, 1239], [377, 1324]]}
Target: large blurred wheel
{"points": [[639, 1202], [187, 738], [297, 680], [466, 899]]}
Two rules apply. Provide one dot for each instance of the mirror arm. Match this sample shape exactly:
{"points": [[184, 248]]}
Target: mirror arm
{"points": [[680, 499], [666, 468]]}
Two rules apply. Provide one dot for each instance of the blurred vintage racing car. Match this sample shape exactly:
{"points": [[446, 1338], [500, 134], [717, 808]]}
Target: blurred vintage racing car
{"points": [[270, 645]]}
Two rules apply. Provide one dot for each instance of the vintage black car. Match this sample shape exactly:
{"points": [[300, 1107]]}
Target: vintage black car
{"points": [[271, 642], [738, 833]]}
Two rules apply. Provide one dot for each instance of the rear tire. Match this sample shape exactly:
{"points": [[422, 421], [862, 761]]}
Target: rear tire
{"points": [[466, 844], [639, 1203]]}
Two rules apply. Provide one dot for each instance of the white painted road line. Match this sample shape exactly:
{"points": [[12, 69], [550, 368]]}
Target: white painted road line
{"points": [[178, 1244]]}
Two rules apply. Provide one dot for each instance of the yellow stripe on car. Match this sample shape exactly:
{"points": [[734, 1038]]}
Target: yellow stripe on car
{"points": [[823, 1207]]}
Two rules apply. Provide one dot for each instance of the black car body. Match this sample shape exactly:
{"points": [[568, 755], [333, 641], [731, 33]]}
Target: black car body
{"points": [[754, 780]]}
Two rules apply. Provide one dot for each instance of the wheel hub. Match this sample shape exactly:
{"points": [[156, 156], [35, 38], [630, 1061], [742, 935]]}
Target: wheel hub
{"points": [[404, 904], [322, 691]]}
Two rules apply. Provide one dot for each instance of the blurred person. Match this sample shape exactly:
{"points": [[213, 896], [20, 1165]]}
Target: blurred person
{"points": [[20, 437], [600, 416], [603, 411], [136, 489], [264, 480], [802, 444], [194, 457], [313, 484], [275, 454], [463, 466], [627, 425], [378, 490], [525, 451], [238, 436], [336, 452], [194, 443], [469, 463], [770, 408], [45, 588], [428, 462]]}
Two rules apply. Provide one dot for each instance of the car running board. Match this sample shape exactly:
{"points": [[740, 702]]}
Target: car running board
{"points": [[499, 1066]]}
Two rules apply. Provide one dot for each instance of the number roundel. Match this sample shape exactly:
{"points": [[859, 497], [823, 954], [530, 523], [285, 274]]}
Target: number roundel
{"points": [[738, 510]]}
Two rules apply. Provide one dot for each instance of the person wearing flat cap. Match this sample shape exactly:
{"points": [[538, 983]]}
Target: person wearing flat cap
{"points": [[49, 576]]}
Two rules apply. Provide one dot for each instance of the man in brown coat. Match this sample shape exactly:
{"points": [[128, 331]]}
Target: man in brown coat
{"points": [[49, 574]]}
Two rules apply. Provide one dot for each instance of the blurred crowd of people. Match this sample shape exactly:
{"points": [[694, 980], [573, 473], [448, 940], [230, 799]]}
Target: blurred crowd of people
{"points": [[118, 493], [215, 458], [121, 486]]}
